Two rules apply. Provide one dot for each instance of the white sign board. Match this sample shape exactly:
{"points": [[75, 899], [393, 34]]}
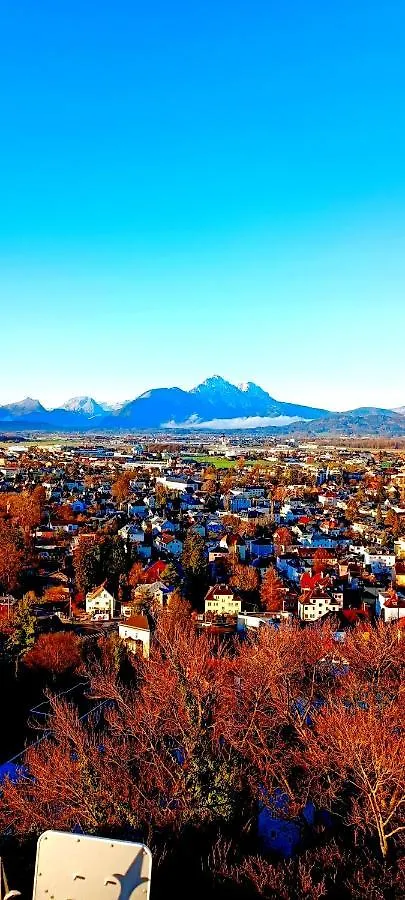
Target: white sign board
{"points": [[77, 867]]}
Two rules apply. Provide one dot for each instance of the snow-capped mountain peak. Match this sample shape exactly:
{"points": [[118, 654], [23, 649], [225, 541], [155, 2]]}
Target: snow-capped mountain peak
{"points": [[84, 405]]}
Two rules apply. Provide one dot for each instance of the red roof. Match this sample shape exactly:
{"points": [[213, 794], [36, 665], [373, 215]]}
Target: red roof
{"points": [[153, 572], [308, 581], [353, 615], [395, 602], [218, 590], [91, 595], [139, 622], [317, 593], [167, 537]]}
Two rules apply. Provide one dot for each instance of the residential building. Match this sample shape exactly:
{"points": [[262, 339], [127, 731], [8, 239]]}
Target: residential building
{"points": [[317, 603], [390, 606], [100, 601], [135, 632], [221, 600]]}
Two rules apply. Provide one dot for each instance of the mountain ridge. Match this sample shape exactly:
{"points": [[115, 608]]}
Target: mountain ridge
{"points": [[215, 404]]}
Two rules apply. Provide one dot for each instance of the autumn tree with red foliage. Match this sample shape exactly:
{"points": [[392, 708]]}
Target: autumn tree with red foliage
{"points": [[162, 762], [121, 486], [25, 508], [358, 747], [11, 557], [58, 654], [232, 523], [198, 737], [272, 591], [136, 575], [282, 539]]}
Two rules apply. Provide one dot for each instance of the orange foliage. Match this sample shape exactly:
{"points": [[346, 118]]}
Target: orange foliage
{"points": [[272, 591], [56, 653]]}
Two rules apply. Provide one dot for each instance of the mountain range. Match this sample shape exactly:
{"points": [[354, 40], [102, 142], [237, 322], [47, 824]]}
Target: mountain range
{"points": [[214, 404]]}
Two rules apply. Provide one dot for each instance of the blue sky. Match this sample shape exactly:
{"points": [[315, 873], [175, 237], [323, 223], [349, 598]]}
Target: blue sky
{"points": [[191, 188]]}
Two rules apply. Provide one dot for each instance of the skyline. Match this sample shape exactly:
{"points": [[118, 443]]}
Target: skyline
{"points": [[191, 191]]}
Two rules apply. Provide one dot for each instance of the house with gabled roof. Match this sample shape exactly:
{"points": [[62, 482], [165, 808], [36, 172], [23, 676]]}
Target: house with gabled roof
{"points": [[221, 600], [100, 600], [167, 543], [390, 606], [315, 603]]}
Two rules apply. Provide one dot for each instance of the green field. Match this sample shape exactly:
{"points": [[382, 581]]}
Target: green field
{"points": [[221, 462], [218, 462]]}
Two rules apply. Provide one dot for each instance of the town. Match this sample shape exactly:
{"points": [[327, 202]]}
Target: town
{"points": [[185, 609], [106, 536]]}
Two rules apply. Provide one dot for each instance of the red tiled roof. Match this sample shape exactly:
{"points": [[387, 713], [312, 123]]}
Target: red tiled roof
{"points": [[153, 572], [318, 593], [308, 582], [353, 615], [395, 602], [218, 590], [139, 622], [167, 537]]}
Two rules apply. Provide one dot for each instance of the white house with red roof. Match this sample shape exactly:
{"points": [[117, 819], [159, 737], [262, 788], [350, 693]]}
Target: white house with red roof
{"points": [[315, 603], [221, 600], [135, 633], [390, 606]]}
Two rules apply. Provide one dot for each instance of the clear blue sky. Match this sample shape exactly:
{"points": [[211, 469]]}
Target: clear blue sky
{"points": [[198, 187]]}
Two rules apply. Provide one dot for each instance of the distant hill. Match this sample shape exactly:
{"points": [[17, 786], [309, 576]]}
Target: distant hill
{"points": [[357, 422], [215, 404]]}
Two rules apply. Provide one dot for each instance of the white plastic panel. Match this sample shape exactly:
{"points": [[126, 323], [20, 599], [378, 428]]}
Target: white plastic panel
{"points": [[77, 867]]}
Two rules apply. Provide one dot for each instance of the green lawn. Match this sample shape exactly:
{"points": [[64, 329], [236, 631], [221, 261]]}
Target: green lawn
{"points": [[219, 462]]}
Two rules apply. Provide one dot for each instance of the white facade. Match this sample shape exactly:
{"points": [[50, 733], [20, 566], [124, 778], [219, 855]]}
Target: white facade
{"points": [[100, 601], [222, 602], [311, 609], [174, 546], [135, 633], [379, 562], [132, 533], [254, 621], [387, 609]]}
